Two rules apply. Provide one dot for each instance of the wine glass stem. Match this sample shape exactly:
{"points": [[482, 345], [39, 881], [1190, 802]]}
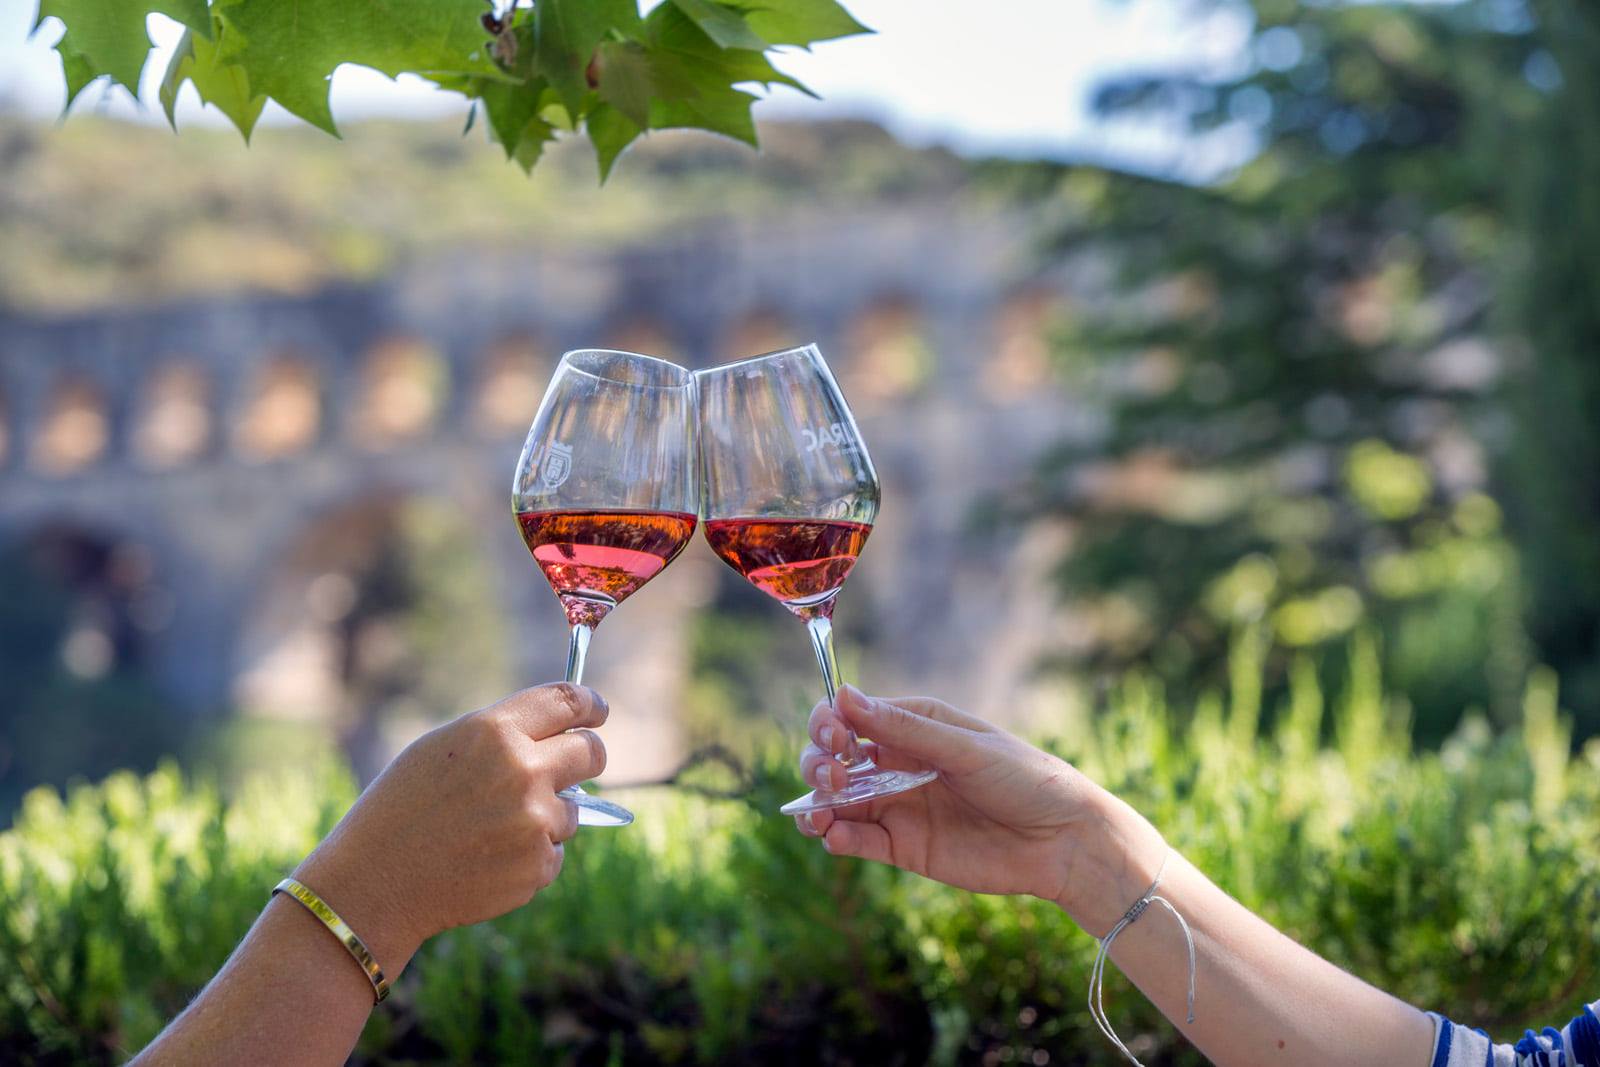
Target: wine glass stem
{"points": [[578, 652], [820, 627]]}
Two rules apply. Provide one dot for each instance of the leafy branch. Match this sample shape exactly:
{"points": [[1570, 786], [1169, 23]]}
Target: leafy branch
{"points": [[533, 71]]}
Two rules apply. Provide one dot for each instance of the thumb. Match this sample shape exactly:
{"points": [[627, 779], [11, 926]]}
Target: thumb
{"points": [[907, 726]]}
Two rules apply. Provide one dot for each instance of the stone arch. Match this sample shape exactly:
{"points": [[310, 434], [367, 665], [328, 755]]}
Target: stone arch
{"points": [[758, 331], [515, 371], [173, 425], [890, 356], [1021, 338], [104, 581], [84, 601], [282, 415], [75, 430], [360, 612], [404, 384]]}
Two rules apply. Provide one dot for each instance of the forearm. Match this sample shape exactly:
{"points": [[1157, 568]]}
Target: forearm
{"points": [[463, 826], [290, 993], [1261, 998]]}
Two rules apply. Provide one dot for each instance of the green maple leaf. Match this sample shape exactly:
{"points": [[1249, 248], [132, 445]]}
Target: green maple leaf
{"points": [[566, 34], [109, 37], [676, 76], [79, 73], [220, 83], [723, 24], [530, 143], [681, 52], [801, 22], [510, 108], [515, 101], [290, 47], [625, 79], [726, 112], [515, 119], [610, 131], [564, 64]]}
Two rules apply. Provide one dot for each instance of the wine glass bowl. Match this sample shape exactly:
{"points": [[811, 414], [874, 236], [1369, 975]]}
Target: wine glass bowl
{"points": [[605, 495], [789, 494]]}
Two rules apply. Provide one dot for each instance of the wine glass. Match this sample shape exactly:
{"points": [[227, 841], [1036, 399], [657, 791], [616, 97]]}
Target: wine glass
{"points": [[605, 495], [789, 496]]}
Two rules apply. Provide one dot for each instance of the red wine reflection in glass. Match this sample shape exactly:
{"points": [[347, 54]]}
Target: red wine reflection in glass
{"points": [[801, 563], [594, 560]]}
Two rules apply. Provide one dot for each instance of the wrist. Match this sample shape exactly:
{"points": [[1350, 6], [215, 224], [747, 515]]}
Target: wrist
{"points": [[1108, 858], [368, 902]]}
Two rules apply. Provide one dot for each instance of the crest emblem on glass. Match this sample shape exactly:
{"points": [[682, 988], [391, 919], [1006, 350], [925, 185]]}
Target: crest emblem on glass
{"points": [[605, 495], [557, 465], [789, 496]]}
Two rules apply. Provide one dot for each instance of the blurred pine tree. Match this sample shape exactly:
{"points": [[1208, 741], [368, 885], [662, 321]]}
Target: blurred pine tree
{"points": [[1552, 476], [1298, 357]]}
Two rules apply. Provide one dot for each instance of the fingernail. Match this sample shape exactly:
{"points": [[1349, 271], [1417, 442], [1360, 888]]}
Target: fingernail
{"points": [[825, 844], [825, 735], [811, 824], [823, 775], [856, 695]]}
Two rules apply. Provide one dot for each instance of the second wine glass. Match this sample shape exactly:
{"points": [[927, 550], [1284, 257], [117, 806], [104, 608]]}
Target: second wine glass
{"points": [[789, 496], [605, 495]]}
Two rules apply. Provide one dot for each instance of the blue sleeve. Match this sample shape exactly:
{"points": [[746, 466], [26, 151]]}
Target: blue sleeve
{"points": [[1578, 1045]]}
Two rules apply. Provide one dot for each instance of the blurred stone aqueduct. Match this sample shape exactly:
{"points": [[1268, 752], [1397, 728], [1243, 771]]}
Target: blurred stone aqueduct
{"points": [[221, 441]]}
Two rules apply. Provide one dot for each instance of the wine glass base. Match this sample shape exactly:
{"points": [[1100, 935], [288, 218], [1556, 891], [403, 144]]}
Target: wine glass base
{"points": [[874, 785], [594, 811]]}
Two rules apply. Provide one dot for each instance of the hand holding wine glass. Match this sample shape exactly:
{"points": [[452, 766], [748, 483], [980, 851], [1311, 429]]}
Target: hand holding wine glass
{"points": [[464, 825], [605, 495], [789, 496], [1003, 817]]}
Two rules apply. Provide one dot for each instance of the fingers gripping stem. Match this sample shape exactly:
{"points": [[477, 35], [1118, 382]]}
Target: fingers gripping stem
{"points": [[820, 627]]}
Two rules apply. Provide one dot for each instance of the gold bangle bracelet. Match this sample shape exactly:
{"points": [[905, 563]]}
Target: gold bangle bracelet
{"points": [[341, 929]]}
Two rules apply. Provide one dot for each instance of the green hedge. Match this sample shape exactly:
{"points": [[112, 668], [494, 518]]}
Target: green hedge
{"points": [[1467, 880]]}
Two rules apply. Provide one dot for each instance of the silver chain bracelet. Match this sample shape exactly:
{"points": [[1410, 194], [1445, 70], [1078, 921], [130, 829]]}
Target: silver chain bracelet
{"points": [[1097, 977]]}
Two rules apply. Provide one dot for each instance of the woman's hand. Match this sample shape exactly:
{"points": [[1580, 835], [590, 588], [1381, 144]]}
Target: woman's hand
{"points": [[1002, 817], [464, 825]]}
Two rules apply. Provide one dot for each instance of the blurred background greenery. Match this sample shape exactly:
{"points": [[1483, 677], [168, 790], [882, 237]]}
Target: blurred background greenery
{"points": [[1328, 582]]}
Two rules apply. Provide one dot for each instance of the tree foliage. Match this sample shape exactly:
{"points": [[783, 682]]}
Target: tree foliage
{"points": [[533, 71], [1552, 286], [1304, 373]]}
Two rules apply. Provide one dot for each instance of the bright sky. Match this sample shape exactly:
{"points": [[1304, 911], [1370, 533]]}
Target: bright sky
{"points": [[1015, 80]]}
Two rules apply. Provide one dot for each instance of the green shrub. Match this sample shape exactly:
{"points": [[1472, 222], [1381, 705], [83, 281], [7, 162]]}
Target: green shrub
{"points": [[1467, 880]]}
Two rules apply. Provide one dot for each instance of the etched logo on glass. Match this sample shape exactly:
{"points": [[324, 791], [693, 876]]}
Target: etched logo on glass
{"points": [[830, 436], [557, 465]]}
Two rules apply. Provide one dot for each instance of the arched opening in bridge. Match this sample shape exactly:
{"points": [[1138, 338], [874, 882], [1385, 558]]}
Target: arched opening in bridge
{"points": [[404, 383], [378, 622], [75, 430], [889, 354], [645, 336], [515, 373], [174, 420], [78, 608], [1021, 365], [283, 414], [758, 332]]}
